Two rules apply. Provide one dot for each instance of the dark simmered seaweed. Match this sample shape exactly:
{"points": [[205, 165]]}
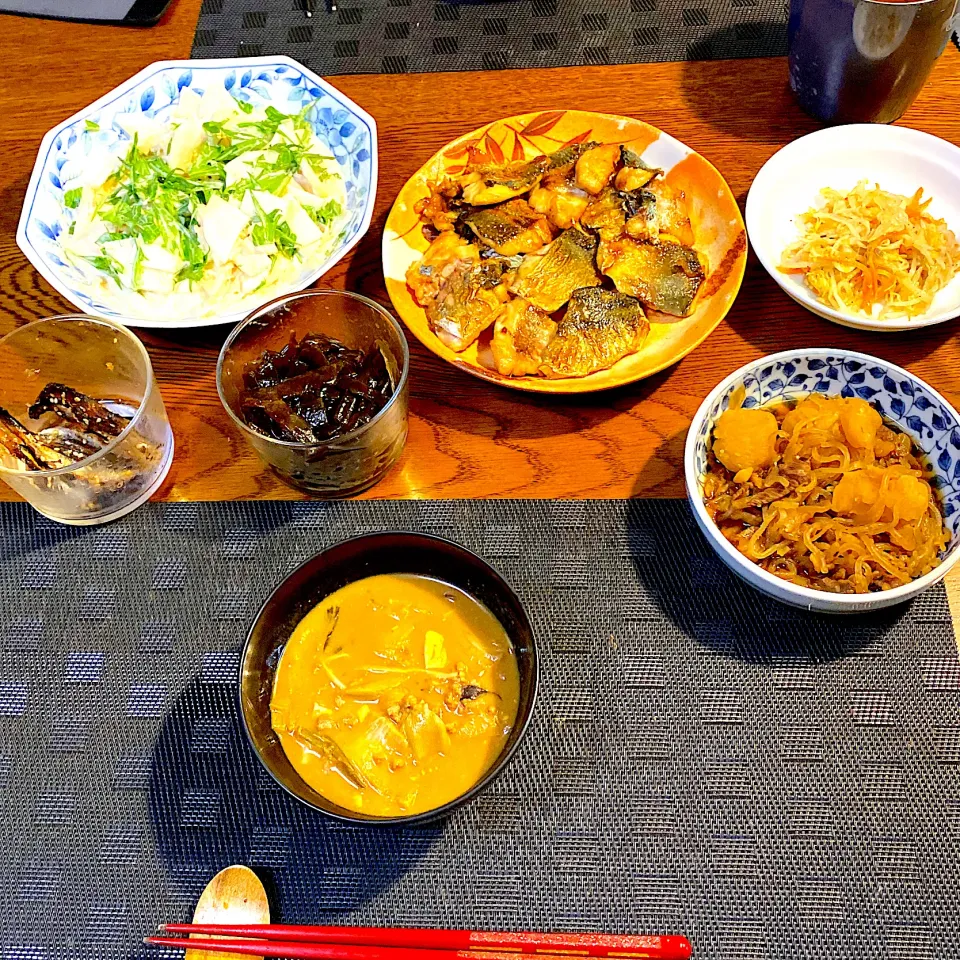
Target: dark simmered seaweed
{"points": [[314, 390]]}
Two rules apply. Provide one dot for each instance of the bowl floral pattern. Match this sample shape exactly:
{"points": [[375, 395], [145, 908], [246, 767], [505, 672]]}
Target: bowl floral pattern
{"points": [[280, 81], [897, 394]]}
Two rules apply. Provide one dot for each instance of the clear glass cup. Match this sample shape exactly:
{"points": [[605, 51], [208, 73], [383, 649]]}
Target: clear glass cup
{"points": [[109, 364], [355, 461]]}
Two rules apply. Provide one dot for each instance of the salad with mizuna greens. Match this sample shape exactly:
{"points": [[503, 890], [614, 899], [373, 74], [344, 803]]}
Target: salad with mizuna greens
{"points": [[218, 201]]}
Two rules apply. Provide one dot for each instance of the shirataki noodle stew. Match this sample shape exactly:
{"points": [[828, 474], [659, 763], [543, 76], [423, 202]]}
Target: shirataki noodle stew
{"points": [[823, 493], [395, 694]]}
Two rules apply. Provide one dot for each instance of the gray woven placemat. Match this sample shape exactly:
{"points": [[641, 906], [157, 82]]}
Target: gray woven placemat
{"points": [[773, 784], [420, 36]]}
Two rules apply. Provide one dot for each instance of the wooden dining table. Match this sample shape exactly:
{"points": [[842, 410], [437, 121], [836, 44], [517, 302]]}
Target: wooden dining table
{"points": [[469, 438]]}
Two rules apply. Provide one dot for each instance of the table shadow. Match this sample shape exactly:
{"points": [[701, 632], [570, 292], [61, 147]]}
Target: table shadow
{"points": [[717, 97], [211, 804], [678, 569], [25, 532]]}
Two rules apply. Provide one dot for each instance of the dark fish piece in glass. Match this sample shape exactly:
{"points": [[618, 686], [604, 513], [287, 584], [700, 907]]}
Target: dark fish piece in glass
{"points": [[76, 407]]}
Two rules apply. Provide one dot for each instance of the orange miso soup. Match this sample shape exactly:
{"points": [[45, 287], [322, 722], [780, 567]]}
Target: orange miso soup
{"points": [[395, 694]]}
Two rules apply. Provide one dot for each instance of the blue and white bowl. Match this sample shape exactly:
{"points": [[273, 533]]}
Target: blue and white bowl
{"points": [[350, 132], [903, 399]]}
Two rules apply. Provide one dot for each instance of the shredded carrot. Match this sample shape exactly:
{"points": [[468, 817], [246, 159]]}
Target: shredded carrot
{"points": [[874, 253]]}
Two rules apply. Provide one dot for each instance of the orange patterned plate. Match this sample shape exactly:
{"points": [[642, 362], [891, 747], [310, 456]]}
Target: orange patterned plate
{"points": [[717, 224]]}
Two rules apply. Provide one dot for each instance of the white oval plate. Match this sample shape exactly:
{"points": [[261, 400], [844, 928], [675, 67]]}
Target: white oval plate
{"points": [[897, 158]]}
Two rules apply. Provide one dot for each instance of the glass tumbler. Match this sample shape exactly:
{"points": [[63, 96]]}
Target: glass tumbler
{"points": [[864, 61], [354, 461], [107, 363]]}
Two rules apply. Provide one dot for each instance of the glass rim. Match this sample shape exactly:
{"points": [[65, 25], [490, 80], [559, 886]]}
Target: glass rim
{"points": [[305, 294], [107, 447]]}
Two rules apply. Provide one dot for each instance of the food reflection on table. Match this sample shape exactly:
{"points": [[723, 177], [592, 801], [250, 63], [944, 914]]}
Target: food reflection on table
{"points": [[314, 389], [873, 253], [590, 227], [395, 694], [824, 493]]}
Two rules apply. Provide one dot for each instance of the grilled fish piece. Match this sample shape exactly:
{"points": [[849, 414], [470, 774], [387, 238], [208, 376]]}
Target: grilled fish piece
{"points": [[558, 196], [510, 228], [599, 328], [596, 167], [469, 299], [614, 212], [441, 209], [606, 215], [672, 215], [548, 279], [563, 164], [460, 292], [495, 183], [426, 275], [76, 407], [562, 203], [521, 334], [27, 448], [563, 161], [666, 276], [634, 173], [505, 264]]}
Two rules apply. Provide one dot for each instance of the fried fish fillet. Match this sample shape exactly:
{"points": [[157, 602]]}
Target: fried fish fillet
{"points": [[521, 334], [494, 183], [548, 279], [596, 167], [599, 328], [461, 293], [469, 300], [634, 173], [666, 276], [558, 195], [614, 212], [441, 208], [673, 218], [510, 228], [425, 276]]}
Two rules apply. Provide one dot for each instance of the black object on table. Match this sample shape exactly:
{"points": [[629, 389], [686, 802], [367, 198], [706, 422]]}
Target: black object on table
{"points": [[771, 783], [141, 13]]}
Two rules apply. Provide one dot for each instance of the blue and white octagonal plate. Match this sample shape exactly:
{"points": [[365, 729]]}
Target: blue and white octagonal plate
{"points": [[349, 131]]}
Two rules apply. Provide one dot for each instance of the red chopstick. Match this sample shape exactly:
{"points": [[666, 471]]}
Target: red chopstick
{"points": [[585, 944], [301, 943]]}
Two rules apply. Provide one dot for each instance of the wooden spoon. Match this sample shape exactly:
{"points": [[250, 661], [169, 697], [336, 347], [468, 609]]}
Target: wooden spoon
{"points": [[234, 895]]}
